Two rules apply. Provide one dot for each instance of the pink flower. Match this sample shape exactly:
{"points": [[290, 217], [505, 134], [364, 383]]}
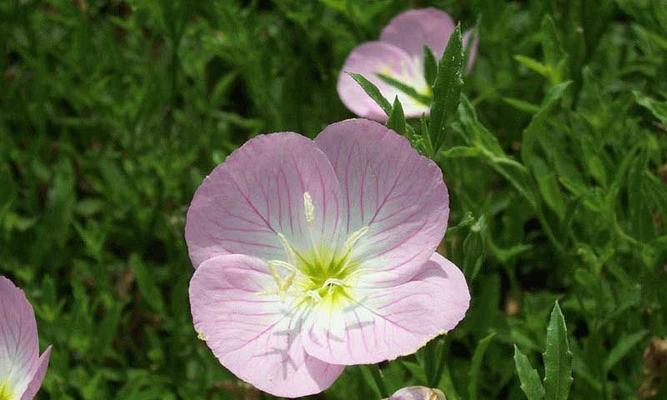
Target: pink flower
{"points": [[418, 393], [21, 368], [315, 254], [398, 54]]}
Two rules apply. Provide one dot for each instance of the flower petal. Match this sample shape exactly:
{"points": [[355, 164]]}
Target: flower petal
{"points": [[389, 188], [251, 331], [18, 338], [382, 324], [257, 194], [38, 377], [418, 393], [472, 55], [414, 29], [370, 59]]}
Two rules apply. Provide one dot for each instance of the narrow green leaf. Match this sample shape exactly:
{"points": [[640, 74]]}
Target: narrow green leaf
{"points": [[557, 358], [474, 249], [530, 380], [461, 152], [430, 66], [536, 126], [521, 105], [476, 365], [622, 348], [147, 284], [396, 119], [373, 377], [533, 65], [372, 91], [657, 108], [554, 56], [447, 89], [549, 187]]}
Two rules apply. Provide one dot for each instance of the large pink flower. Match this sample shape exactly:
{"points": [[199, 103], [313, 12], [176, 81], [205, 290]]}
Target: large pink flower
{"points": [[21, 368], [399, 54], [312, 255]]}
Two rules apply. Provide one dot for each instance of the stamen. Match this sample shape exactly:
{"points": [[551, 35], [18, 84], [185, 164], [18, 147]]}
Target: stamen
{"points": [[333, 282], [354, 238], [281, 264], [291, 255], [314, 295], [308, 208], [283, 284]]}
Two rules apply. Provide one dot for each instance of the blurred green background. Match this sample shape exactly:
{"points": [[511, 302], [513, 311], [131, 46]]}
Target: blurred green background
{"points": [[112, 112]]}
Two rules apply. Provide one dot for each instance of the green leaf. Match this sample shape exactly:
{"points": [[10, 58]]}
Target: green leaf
{"points": [[530, 380], [147, 284], [533, 65], [557, 358], [373, 376], [549, 188], [554, 56], [657, 108], [478, 136], [521, 105], [624, 345], [372, 91], [474, 249], [430, 66], [447, 89], [476, 365], [396, 119]]}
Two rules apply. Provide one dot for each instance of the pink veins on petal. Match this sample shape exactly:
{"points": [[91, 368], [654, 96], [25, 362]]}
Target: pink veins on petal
{"points": [[315, 254], [22, 369], [399, 55]]}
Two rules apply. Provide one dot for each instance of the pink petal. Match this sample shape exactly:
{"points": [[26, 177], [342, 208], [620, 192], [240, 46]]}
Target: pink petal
{"points": [[388, 187], [385, 323], [18, 337], [372, 58], [257, 194], [418, 393], [38, 378], [414, 29], [472, 55], [253, 333]]}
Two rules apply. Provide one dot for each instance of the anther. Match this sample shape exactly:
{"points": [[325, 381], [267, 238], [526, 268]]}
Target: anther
{"points": [[308, 207]]}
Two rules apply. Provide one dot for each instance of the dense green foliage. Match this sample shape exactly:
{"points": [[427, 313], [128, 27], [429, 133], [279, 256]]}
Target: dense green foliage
{"points": [[112, 112]]}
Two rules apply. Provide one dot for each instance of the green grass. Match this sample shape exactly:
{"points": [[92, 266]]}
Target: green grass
{"points": [[112, 112]]}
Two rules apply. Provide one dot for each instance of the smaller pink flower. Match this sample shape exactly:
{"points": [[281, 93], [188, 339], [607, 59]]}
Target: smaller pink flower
{"points": [[22, 369], [418, 393], [399, 54]]}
